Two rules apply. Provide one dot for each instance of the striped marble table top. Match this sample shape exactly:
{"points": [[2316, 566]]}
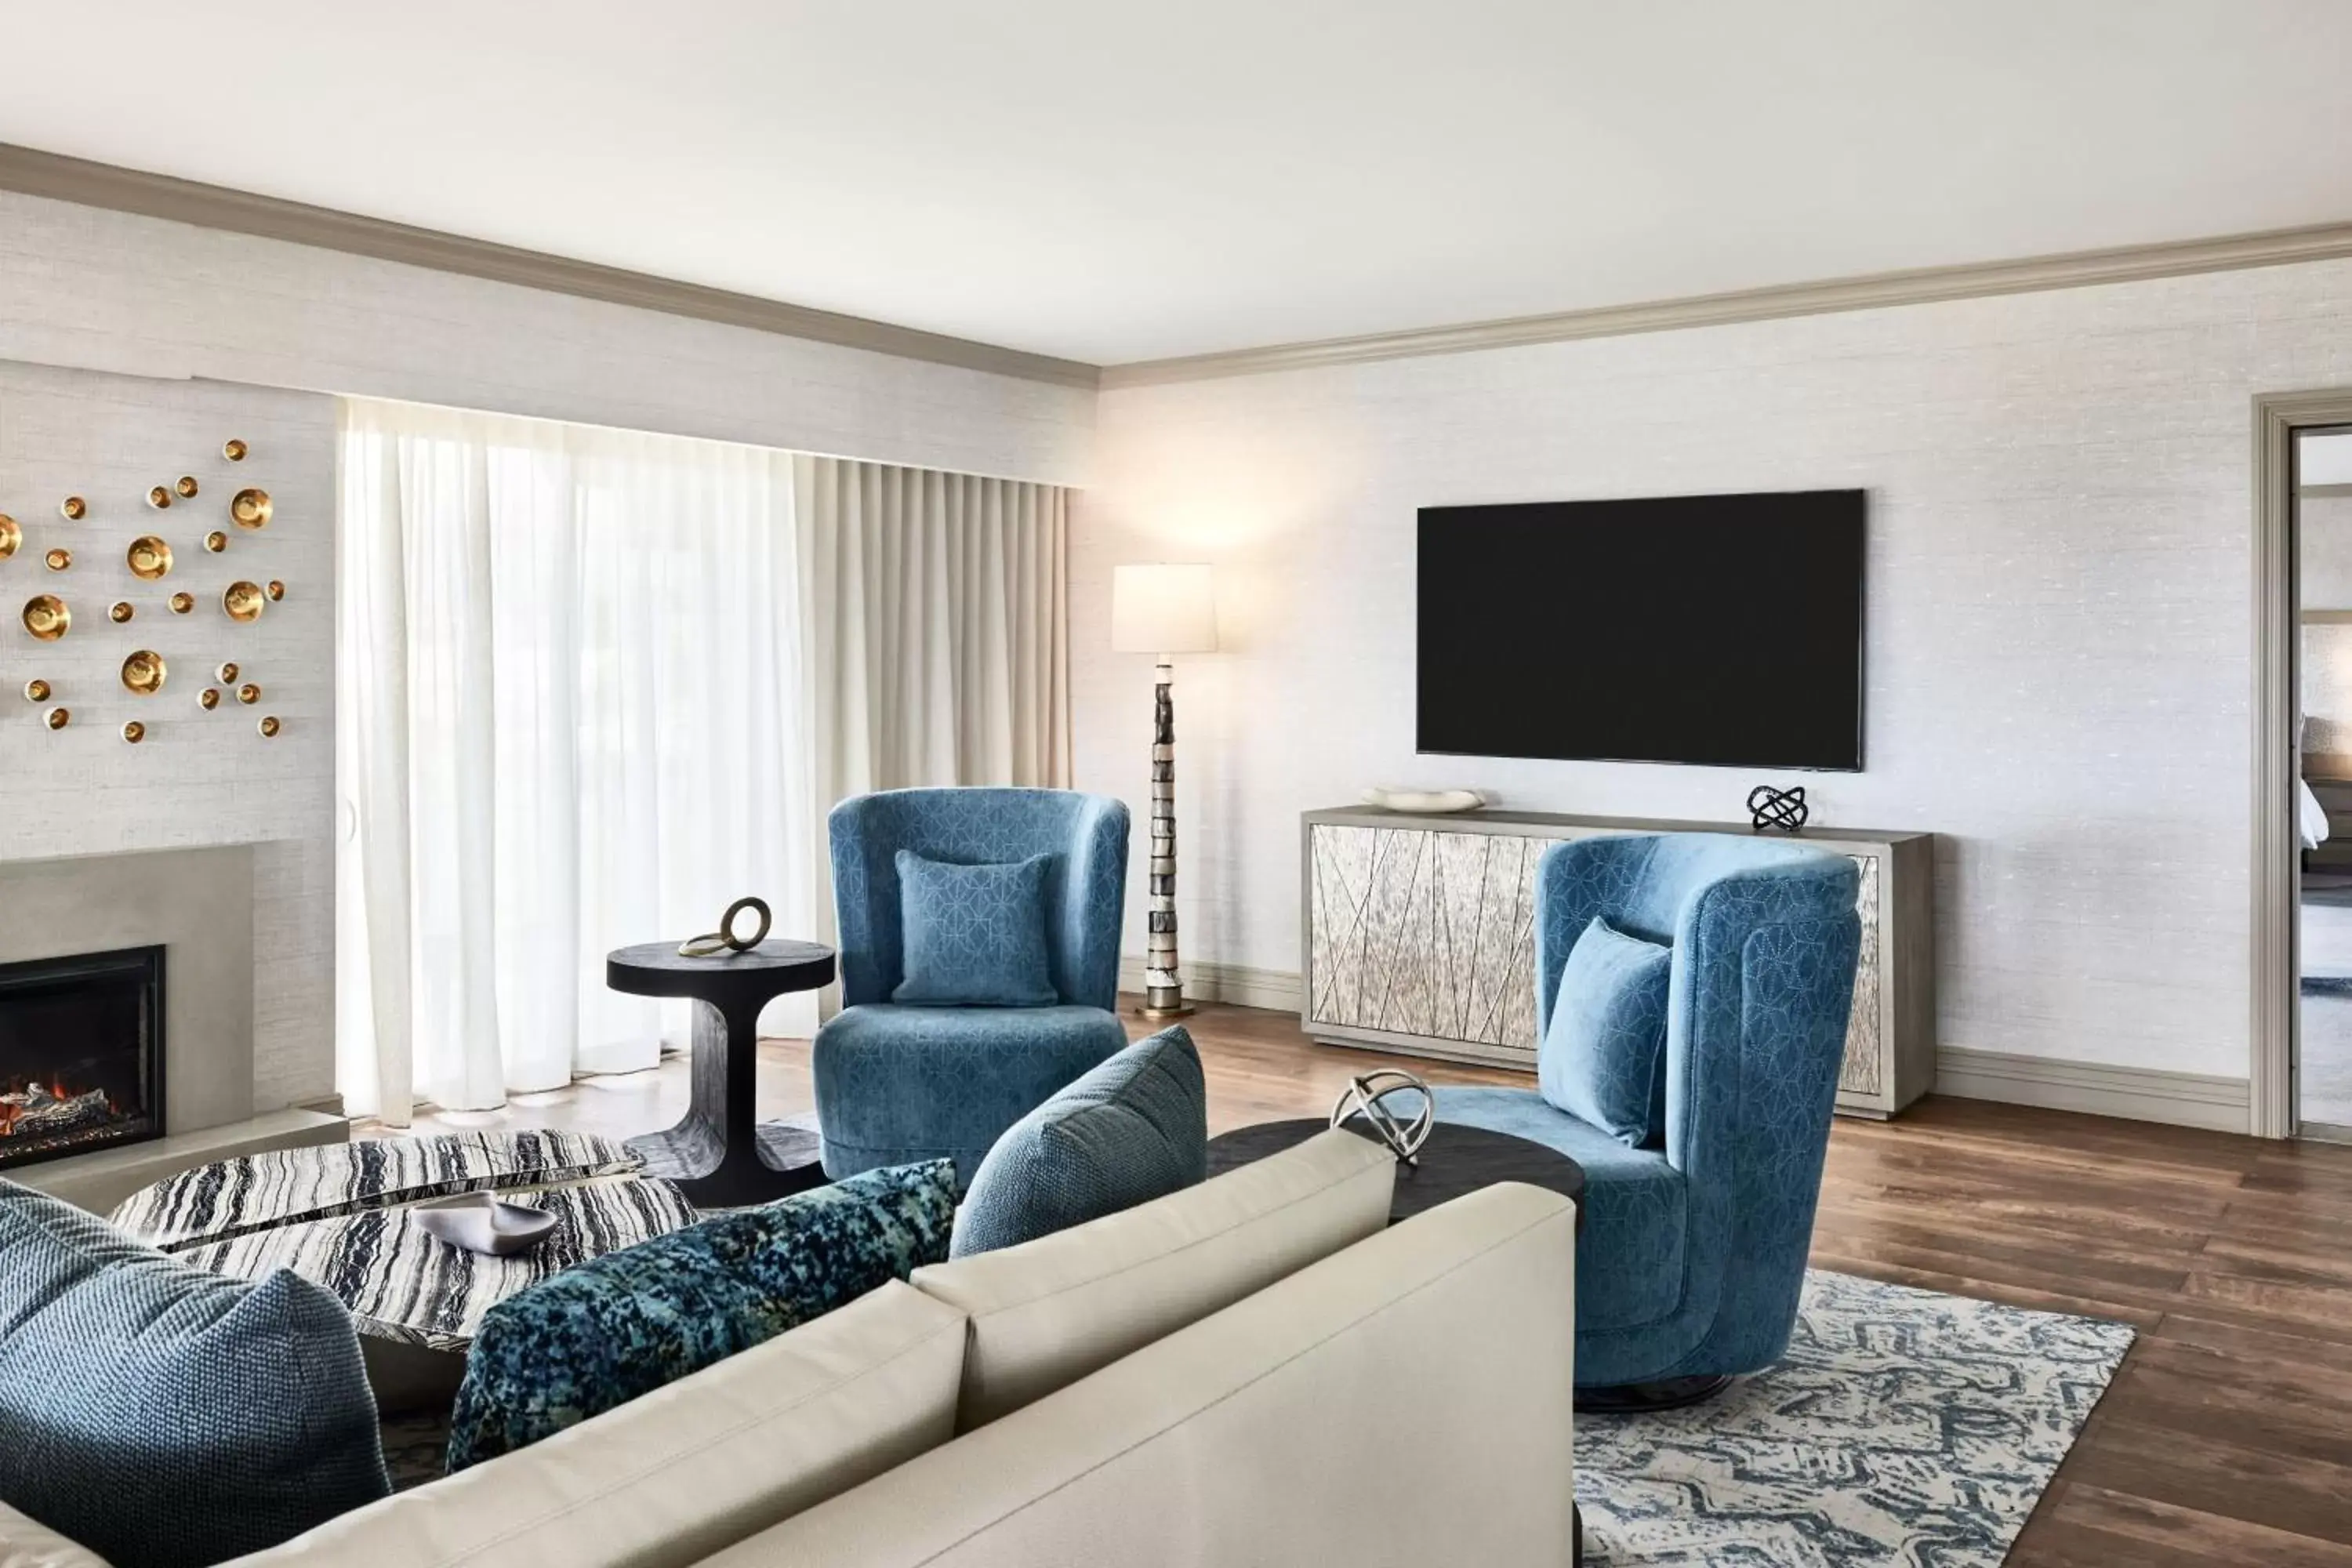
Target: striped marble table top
{"points": [[258, 1192], [403, 1284]]}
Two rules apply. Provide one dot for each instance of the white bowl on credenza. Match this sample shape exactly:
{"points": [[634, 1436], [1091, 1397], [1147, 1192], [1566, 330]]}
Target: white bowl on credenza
{"points": [[1438, 801]]}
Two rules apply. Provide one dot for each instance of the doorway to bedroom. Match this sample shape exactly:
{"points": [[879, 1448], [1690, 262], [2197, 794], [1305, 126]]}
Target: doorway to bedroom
{"points": [[2322, 511]]}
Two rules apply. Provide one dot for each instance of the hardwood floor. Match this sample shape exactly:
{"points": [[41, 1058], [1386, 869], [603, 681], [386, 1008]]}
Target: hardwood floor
{"points": [[2225, 1438]]}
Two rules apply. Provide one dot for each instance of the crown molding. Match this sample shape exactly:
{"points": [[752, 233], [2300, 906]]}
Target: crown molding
{"points": [[57, 177], [1916, 286]]}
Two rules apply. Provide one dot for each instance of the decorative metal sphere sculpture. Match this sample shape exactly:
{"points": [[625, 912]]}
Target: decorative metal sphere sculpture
{"points": [[1362, 1098]]}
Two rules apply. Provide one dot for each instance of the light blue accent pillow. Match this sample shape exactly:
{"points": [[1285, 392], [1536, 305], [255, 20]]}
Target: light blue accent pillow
{"points": [[602, 1333], [1603, 1060], [165, 1417], [973, 936], [1134, 1129]]}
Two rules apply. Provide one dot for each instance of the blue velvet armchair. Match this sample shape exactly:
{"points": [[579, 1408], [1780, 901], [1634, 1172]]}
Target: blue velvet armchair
{"points": [[1693, 1253], [896, 1084]]}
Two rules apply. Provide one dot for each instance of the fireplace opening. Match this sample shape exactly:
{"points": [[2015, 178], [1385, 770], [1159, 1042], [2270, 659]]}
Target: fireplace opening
{"points": [[81, 1054]]}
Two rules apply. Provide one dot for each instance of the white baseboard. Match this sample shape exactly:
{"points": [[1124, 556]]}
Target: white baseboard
{"points": [[2138, 1094], [1274, 989]]}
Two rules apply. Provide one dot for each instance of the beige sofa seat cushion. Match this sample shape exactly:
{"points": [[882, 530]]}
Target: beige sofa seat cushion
{"points": [[25, 1543], [1407, 1402], [1049, 1311], [666, 1479]]}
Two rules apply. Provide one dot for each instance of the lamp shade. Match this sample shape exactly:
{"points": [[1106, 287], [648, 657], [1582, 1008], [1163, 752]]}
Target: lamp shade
{"points": [[1162, 609]]}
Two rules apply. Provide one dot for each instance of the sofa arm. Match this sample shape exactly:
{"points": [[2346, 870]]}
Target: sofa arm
{"points": [[25, 1543]]}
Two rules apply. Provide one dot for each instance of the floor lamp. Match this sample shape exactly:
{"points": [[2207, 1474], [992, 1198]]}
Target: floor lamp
{"points": [[1162, 610]]}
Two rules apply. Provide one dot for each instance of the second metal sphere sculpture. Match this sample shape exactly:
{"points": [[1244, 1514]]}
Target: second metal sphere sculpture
{"points": [[1363, 1096]]}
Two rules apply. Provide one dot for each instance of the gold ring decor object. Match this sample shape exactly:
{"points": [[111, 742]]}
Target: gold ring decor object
{"points": [[249, 508], [243, 601], [36, 690], [160, 496], [226, 673], [120, 611], [57, 718], [145, 673], [725, 940], [249, 694], [187, 487], [150, 558], [59, 560], [269, 726], [183, 603], [75, 508], [11, 536], [275, 589], [208, 698], [47, 618], [233, 449], [216, 542], [134, 732]]}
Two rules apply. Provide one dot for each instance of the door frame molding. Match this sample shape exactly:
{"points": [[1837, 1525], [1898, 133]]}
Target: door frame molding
{"points": [[2277, 843]]}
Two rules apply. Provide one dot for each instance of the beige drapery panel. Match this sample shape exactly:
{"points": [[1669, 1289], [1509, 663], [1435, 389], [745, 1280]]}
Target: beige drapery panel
{"points": [[935, 621]]}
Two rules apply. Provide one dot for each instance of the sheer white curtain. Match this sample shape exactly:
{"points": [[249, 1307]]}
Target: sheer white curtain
{"points": [[572, 715]]}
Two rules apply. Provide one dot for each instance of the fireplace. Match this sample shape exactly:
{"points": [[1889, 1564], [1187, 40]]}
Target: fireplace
{"points": [[81, 1054]]}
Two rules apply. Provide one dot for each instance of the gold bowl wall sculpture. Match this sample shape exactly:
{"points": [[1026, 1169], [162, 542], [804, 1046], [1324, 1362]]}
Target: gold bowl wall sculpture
{"points": [[249, 694], [36, 690], [208, 698], [120, 611], [243, 601], [134, 732], [227, 674], [183, 603], [150, 558], [233, 449], [277, 590], [269, 726], [75, 508], [57, 718], [160, 496], [249, 508], [145, 673], [186, 487], [47, 618], [216, 542], [11, 536], [59, 560]]}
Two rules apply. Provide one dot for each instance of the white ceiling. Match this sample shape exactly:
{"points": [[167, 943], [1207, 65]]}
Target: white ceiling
{"points": [[1112, 181]]}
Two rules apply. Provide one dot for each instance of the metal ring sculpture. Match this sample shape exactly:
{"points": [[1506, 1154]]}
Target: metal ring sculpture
{"points": [[1782, 808], [712, 943], [1363, 1096]]}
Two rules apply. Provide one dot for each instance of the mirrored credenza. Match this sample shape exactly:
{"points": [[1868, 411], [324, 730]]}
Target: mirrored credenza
{"points": [[1420, 938]]}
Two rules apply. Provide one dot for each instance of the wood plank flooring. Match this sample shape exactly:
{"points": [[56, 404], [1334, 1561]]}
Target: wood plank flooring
{"points": [[2225, 1438]]}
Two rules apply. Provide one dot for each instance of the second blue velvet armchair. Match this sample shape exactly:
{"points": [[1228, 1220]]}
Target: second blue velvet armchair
{"points": [[900, 1083]]}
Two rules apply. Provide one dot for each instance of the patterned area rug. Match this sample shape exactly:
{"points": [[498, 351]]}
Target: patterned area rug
{"points": [[1903, 1426]]}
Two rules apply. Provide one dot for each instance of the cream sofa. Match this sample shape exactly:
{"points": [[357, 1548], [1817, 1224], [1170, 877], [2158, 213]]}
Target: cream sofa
{"points": [[1256, 1370]]}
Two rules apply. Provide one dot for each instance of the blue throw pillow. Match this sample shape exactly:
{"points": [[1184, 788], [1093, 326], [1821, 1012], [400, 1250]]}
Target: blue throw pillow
{"points": [[1603, 1060], [973, 936], [165, 1417], [1134, 1129], [599, 1334]]}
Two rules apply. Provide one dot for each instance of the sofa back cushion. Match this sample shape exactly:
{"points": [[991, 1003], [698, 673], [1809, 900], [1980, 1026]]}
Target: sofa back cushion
{"points": [[162, 1417], [617, 1327], [1049, 1311], [667, 1479], [974, 936], [1134, 1129]]}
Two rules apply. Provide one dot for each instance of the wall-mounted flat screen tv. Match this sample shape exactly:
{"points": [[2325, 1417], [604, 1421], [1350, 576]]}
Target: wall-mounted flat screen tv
{"points": [[1724, 630]]}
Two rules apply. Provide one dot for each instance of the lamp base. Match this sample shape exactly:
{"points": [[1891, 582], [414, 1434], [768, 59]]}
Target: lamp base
{"points": [[1162, 1015]]}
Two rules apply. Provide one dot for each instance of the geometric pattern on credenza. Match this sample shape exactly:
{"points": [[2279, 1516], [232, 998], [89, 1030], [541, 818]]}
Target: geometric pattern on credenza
{"points": [[1422, 932]]}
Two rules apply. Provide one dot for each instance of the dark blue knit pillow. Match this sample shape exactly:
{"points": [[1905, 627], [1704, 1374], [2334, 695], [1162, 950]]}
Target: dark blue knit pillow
{"points": [[602, 1333], [973, 936], [165, 1417], [1603, 1059], [1134, 1129]]}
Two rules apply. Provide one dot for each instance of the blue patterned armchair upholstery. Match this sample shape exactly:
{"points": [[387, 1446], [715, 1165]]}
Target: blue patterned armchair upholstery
{"points": [[1693, 1254], [899, 1084]]}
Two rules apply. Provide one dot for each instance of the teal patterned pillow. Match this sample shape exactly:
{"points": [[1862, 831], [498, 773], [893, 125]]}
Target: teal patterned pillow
{"points": [[1603, 1060], [973, 936], [615, 1327]]}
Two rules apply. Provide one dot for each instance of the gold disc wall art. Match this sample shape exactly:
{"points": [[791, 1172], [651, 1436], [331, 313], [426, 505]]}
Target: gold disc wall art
{"points": [[249, 694], [160, 496], [57, 718], [250, 509], [47, 618], [227, 674], [134, 732], [186, 487], [144, 672], [120, 612], [150, 558], [75, 508], [11, 536], [269, 726], [36, 690], [243, 601], [233, 449], [208, 698], [59, 560], [183, 603], [216, 542], [277, 590]]}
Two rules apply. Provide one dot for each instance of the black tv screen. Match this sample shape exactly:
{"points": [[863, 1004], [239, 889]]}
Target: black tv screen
{"points": [[1713, 629]]}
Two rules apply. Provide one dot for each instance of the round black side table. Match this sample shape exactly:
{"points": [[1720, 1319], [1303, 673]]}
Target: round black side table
{"points": [[1455, 1161], [720, 1156]]}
